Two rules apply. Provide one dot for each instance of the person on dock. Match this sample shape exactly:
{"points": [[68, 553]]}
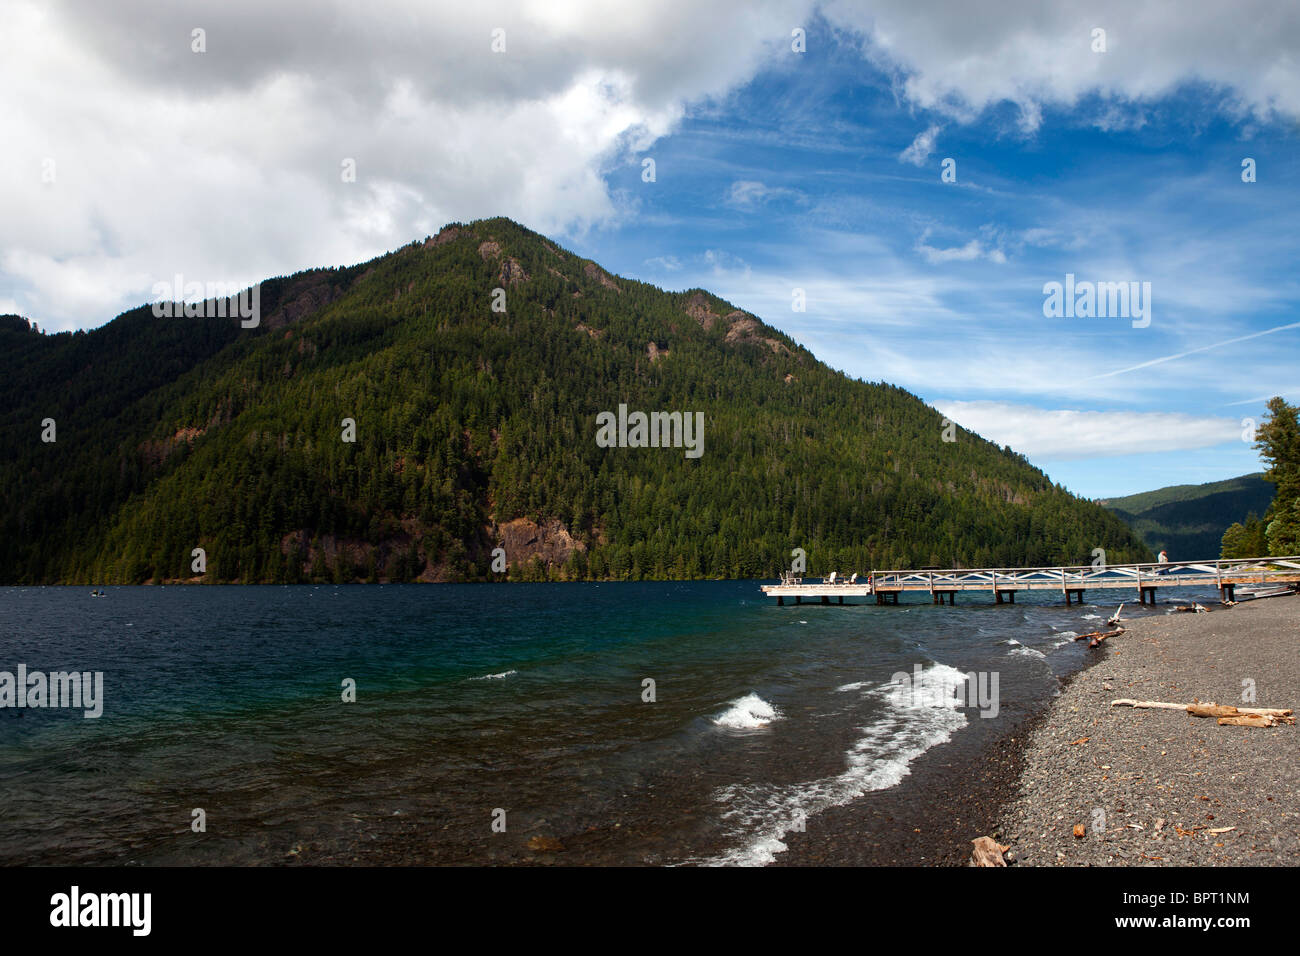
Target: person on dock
{"points": [[1163, 558]]}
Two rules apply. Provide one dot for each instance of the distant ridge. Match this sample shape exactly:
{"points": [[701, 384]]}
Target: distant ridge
{"points": [[1189, 520]]}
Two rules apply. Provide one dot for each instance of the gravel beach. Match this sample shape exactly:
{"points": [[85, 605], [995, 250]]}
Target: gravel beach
{"points": [[1150, 787]]}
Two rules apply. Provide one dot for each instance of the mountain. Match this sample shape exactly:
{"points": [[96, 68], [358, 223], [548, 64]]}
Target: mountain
{"points": [[1189, 520], [476, 428]]}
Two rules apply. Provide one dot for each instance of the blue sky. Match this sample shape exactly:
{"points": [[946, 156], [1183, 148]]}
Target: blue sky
{"points": [[135, 155], [799, 180]]}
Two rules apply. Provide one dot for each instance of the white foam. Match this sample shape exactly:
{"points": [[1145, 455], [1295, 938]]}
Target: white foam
{"points": [[1092, 617], [750, 712], [854, 686], [503, 674], [913, 721], [1030, 652]]}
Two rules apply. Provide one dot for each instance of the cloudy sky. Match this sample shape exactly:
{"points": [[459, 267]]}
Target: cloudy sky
{"points": [[136, 148]]}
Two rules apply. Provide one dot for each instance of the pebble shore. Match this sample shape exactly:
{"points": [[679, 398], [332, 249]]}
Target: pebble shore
{"points": [[1152, 787]]}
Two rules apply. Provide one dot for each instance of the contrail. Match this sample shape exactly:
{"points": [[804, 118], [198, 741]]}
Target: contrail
{"points": [[1203, 348], [1262, 398]]}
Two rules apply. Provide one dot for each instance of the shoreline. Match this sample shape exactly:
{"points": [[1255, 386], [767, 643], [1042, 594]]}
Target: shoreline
{"points": [[967, 792], [1151, 787]]}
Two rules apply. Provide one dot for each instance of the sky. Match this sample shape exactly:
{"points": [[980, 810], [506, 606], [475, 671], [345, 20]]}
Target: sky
{"points": [[914, 175]]}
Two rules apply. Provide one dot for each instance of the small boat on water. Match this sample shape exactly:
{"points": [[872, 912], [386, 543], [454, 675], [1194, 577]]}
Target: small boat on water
{"points": [[97, 593]]}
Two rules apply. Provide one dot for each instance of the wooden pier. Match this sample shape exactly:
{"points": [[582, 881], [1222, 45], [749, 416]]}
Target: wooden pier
{"points": [[1142, 580]]}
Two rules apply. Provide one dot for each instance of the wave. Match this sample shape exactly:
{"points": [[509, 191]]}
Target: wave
{"points": [[750, 712], [1092, 617], [500, 676], [913, 721], [1018, 648], [857, 685]]}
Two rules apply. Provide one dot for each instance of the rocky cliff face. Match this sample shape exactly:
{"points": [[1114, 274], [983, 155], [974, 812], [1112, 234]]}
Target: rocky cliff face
{"points": [[525, 540]]}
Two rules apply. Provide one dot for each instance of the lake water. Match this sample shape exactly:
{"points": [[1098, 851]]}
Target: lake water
{"points": [[519, 705]]}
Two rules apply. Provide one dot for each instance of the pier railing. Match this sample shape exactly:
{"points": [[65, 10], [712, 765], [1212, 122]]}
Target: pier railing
{"points": [[1083, 577]]}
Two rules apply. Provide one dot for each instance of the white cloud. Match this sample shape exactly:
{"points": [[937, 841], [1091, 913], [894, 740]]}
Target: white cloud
{"points": [[969, 251], [966, 253], [748, 193], [727, 265], [967, 57], [921, 148], [225, 165], [972, 250], [1065, 434]]}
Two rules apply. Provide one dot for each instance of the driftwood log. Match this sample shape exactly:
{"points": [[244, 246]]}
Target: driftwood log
{"points": [[1254, 720], [988, 852], [1226, 713], [1096, 637]]}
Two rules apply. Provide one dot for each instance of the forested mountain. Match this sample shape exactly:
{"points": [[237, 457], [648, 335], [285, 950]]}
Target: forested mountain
{"points": [[476, 429], [1189, 520]]}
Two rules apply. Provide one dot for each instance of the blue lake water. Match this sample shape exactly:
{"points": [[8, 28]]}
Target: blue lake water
{"points": [[520, 704]]}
